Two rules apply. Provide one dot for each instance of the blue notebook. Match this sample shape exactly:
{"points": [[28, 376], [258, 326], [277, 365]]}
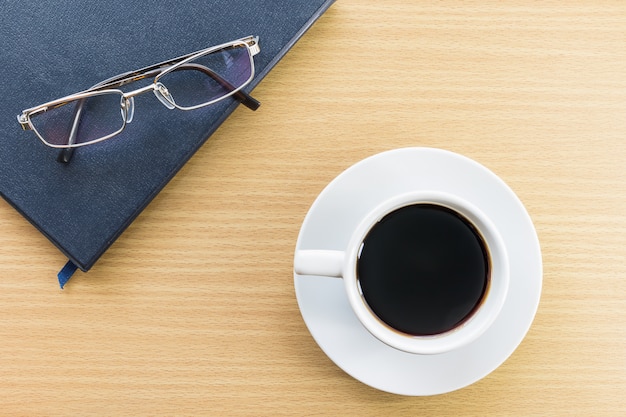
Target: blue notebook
{"points": [[51, 51]]}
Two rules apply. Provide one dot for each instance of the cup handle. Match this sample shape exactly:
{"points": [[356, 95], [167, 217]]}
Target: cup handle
{"points": [[328, 263]]}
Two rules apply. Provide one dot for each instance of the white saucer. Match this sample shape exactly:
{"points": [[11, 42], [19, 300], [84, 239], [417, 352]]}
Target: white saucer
{"points": [[324, 304]]}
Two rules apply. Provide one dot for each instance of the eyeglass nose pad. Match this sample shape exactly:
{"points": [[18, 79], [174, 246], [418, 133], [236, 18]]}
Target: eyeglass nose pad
{"points": [[128, 108], [164, 96]]}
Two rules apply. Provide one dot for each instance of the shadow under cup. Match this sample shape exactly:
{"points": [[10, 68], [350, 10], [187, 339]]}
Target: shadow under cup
{"points": [[423, 269]]}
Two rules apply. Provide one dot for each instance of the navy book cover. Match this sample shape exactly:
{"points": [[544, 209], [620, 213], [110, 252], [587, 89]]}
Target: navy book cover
{"points": [[51, 50]]}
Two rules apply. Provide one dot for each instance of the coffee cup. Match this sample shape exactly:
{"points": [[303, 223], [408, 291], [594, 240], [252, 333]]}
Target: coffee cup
{"points": [[425, 272]]}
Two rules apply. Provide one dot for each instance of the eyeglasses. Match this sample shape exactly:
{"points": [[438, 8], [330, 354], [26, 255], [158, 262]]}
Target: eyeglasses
{"points": [[188, 82]]}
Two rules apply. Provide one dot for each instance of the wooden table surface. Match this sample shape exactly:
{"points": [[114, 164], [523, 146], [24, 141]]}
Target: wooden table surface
{"points": [[192, 311]]}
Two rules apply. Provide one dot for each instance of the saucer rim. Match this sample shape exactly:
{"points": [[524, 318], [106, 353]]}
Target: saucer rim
{"points": [[504, 193]]}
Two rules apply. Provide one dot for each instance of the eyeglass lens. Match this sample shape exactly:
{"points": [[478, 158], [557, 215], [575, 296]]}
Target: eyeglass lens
{"points": [[209, 77], [91, 119]]}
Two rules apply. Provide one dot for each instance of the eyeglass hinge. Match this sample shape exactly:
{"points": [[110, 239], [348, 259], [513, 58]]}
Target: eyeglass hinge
{"points": [[253, 44], [23, 120]]}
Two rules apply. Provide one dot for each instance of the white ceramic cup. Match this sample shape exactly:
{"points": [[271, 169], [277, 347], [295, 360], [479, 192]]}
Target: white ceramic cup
{"points": [[343, 264]]}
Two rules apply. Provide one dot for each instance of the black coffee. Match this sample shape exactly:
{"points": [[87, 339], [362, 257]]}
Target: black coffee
{"points": [[423, 269]]}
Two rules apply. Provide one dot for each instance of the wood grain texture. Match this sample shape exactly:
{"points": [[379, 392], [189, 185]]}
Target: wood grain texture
{"points": [[192, 311]]}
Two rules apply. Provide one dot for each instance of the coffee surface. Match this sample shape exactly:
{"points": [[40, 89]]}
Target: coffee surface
{"points": [[423, 269]]}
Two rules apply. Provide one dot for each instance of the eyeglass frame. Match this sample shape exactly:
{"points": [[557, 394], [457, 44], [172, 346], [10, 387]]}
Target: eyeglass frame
{"points": [[160, 91]]}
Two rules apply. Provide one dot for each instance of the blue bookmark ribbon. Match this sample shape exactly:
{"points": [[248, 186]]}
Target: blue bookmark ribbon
{"points": [[66, 273]]}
